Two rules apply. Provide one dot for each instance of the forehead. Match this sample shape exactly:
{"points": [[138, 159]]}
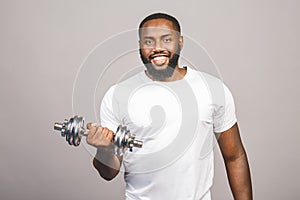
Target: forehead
{"points": [[158, 27]]}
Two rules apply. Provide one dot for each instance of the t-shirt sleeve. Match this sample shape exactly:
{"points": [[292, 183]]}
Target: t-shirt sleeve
{"points": [[224, 116], [107, 114]]}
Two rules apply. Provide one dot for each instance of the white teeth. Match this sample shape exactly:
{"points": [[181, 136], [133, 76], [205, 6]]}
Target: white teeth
{"points": [[159, 60]]}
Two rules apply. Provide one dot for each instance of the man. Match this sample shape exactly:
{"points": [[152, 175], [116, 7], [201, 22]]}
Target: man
{"points": [[207, 106]]}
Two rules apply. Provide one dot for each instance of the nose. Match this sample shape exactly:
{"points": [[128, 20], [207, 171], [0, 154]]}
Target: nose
{"points": [[158, 47]]}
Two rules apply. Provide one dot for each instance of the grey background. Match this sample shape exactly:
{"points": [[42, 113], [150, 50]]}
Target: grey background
{"points": [[254, 43]]}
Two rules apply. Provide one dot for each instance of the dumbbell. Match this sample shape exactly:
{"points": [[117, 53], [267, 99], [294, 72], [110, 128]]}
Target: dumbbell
{"points": [[73, 129]]}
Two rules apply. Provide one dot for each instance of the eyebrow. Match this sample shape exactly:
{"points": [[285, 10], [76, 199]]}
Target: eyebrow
{"points": [[150, 37]]}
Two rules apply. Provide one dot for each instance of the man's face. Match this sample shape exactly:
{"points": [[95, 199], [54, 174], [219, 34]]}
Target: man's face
{"points": [[160, 46]]}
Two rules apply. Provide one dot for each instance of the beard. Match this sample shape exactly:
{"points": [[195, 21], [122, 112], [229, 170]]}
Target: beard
{"points": [[163, 73]]}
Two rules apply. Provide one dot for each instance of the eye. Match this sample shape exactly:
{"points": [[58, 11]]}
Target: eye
{"points": [[148, 42], [167, 40]]}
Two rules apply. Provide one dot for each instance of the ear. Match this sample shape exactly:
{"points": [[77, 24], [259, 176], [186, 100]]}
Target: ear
{"points": [[181, 41]]}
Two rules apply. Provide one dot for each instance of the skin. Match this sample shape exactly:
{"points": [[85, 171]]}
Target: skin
{"points": [[160, 35], [236, 162]]}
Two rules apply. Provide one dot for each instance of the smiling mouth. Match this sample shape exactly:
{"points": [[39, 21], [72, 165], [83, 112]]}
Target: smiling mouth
{"points": [[159, 59]]}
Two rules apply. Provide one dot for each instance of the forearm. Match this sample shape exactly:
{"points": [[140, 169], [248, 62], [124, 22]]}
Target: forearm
{"points": [[107, 163], [238, 173]]}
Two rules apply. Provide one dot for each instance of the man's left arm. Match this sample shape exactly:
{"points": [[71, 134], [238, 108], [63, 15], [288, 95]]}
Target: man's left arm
{"points": [[236, 163]]}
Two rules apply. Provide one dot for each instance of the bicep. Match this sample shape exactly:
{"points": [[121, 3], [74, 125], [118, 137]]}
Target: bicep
{"points": [[230, 143]]}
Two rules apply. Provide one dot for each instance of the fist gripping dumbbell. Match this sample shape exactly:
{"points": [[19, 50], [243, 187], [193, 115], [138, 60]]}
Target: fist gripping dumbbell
{"points": [[73, 129]]}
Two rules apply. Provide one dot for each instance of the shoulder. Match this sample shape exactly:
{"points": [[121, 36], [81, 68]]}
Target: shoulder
{"points": [[210, 81], [124, 87], [214, 86]]}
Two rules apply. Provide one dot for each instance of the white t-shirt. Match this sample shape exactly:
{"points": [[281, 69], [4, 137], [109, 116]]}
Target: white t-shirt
{"points": [[176, 121]]}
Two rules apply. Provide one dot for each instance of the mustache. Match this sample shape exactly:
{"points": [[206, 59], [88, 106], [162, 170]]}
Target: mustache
{"points": [[156, 54]]}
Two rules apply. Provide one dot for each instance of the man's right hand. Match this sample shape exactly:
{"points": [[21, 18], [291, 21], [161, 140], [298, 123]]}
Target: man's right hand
{"points": [[99, 137]]}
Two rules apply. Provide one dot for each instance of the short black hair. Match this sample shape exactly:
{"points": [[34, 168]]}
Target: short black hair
{"points": [[160, 16]]}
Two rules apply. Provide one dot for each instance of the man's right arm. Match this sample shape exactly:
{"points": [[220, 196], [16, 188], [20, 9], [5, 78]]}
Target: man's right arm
{"points": [[106, 162]]}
